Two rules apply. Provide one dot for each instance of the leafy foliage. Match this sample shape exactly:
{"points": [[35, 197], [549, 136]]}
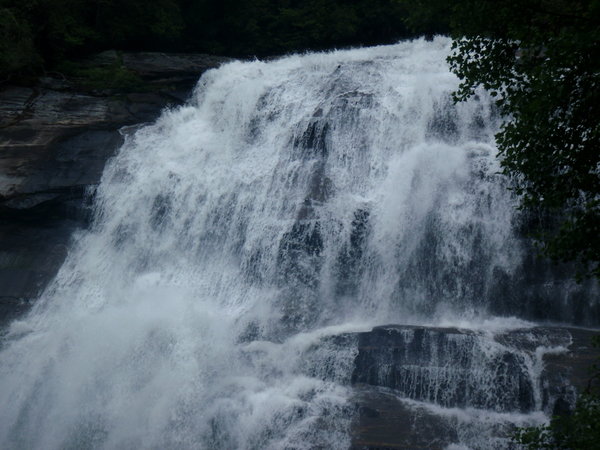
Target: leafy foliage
{"points": [[579, 430], [17, 51], [540, 59], [113, 77], [267, 27], [48, 32], [428, 17]]}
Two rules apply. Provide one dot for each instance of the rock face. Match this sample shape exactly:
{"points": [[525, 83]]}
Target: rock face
{"points": [[171, 67], [424, 387], [417, 387], [387, 422], [54, 141], [446, 366]]}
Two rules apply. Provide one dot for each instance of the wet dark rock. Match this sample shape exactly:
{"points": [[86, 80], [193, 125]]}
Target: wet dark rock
{"points": [[444, 125], [55, 139], [544, 291], [400, 370], [567, 373], [348, 263], [171, 66], [30, 255], [385, 421], [446, 366], [298, 265], [314, 140]]}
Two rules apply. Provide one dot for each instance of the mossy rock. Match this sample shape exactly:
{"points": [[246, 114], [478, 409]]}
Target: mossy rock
{"points": [[104, 73]]}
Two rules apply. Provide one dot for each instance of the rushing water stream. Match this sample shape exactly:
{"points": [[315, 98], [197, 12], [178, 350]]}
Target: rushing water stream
{"points": [[287, 202]]}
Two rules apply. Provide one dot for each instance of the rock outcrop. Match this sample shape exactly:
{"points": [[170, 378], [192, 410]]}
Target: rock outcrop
{"points": [[55, 138], [446, 366], [426, 387]]}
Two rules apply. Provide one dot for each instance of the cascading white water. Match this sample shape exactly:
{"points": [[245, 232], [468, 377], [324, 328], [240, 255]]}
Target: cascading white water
{"points": [[288, 201]]}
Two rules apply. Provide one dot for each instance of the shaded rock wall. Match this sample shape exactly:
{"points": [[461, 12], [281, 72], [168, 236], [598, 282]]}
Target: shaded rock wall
{"points": [[55, 139]]}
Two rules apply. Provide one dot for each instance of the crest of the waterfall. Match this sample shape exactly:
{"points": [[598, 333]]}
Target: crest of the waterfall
{"points": [[288, 201]]}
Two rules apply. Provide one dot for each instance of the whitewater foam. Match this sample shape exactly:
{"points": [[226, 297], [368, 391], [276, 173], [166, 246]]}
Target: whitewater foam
{"points": [[289, 201]]}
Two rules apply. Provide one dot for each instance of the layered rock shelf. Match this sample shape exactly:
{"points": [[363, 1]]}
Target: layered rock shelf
{"points": [[55, 138], [421, 387]]}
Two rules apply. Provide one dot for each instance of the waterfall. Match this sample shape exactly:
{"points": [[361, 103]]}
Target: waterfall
{"points": [[289, 202]]}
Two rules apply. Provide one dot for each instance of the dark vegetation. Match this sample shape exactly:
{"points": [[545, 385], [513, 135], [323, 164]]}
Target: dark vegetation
{"points": [[40, 35], [540, 59], [577, 430]]}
